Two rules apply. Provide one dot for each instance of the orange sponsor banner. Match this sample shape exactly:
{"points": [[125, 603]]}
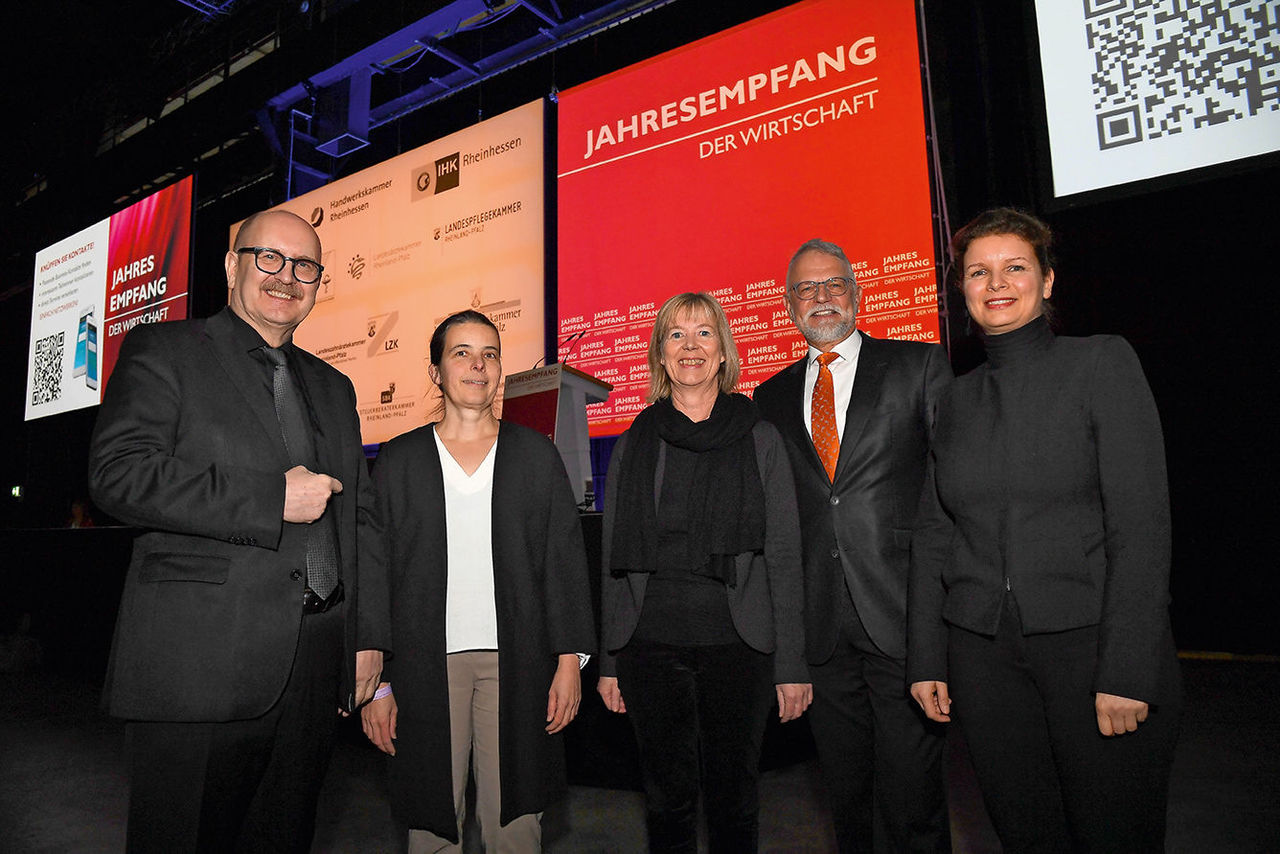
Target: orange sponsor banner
{"points": [[451, 225], [703, 169]]}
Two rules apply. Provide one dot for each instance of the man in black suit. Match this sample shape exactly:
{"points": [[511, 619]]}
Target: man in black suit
{"points": [[239, 456], [857, 414]]}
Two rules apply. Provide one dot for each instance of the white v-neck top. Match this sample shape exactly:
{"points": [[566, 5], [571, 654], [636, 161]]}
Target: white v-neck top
{"points": [[471, 615]]}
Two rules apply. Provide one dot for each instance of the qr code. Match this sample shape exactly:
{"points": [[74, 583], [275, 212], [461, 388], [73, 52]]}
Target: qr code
{"points": [[46, 381], [1164, 67]]}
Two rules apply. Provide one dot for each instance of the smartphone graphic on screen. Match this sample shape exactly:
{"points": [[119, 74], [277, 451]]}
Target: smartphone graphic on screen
{"points": [[82, 341], [91, 351]]}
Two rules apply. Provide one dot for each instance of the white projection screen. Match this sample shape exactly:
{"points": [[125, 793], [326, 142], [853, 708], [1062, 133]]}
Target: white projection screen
{"points": [[1139, 89]]}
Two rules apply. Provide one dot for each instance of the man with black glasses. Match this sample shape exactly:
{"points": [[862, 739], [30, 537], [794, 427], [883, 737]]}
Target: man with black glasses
{"points": [[239, 456], [857, 415]]}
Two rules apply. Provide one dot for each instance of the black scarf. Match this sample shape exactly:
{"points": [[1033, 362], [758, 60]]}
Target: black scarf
{"points": [[727, 501]]}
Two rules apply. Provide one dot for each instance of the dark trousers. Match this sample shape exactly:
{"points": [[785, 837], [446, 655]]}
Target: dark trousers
{"points": [[699, 714], [247, 786], [1050, 780], [881, 757]]}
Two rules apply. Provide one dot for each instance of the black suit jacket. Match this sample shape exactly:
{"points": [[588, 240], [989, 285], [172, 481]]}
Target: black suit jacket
{"points": [[857, 530], [187, 446]]}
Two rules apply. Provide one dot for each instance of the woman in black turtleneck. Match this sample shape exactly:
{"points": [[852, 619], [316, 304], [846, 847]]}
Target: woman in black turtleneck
{"points": [[1040, 566], [701, 602]]}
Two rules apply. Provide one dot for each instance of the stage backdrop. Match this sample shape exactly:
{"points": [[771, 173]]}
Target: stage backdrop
{"points": [[454, 224], [704, 168], [94, 286]]}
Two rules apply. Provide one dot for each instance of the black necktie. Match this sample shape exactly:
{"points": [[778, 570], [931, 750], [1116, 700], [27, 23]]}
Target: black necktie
{"points": [[322, 555]]}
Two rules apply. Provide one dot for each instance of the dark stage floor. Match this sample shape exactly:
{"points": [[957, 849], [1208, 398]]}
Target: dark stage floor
{"points": [[62, 783]]}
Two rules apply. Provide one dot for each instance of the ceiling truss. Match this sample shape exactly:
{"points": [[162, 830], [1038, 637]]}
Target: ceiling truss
{"points": [[331, 114]]}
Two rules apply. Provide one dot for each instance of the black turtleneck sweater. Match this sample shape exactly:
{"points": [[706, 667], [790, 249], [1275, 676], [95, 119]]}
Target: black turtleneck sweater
{"points": [[1047, 480]]}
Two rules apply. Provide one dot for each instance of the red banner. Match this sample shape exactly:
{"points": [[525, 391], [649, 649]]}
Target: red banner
{"points": [[148, 255], [704, 168]]}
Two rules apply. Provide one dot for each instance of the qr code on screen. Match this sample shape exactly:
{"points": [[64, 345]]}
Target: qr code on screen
{"points": [[1165, 67], [46, 381]]}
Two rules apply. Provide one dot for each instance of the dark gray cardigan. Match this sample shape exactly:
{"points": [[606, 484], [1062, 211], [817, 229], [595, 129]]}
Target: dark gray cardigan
{"points": [[767, 600], [543, 600]]}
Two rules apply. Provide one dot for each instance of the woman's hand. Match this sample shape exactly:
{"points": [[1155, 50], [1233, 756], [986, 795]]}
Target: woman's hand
{"points": [[378, 719], [1118, 715], [933, 699], [793, 699], [565, 693], [608, 690], [368, 669]]}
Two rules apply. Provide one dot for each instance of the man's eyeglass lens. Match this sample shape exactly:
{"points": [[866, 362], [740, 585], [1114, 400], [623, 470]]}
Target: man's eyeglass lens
{"points": [[836, 286], [271, 262]]}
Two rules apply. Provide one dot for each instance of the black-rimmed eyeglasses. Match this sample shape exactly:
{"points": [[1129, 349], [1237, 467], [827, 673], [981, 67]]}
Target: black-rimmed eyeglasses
{"points": [[272, 261], [836, 286]]}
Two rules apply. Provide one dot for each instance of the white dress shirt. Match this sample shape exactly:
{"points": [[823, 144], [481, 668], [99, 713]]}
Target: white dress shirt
{"points": [[843, 370]]}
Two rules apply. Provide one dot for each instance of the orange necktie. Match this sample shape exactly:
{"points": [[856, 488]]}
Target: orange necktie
{"points": [[822, 416]]}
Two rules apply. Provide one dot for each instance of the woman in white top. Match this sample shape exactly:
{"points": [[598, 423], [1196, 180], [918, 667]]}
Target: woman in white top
{"points": [[475, 525]]}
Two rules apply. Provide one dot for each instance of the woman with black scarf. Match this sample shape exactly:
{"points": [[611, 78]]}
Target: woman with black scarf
{"points": [[702, 593]]}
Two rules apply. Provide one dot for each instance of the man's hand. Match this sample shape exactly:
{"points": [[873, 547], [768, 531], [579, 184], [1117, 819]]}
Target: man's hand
{"points": [[933, 699], [793, 699], [378, 719], [607, 687], [1118, 715], [565, 693], [306, 494], [368, 671]]}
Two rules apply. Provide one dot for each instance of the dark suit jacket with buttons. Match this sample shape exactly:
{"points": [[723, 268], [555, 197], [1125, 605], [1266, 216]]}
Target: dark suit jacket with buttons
{"points": [[857, 530], [1048, 480], [188, 447]]}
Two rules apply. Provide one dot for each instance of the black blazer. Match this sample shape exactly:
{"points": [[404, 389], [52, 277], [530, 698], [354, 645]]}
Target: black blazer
{"points": [[857, 531], [187, 447], [1048, 479]]}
